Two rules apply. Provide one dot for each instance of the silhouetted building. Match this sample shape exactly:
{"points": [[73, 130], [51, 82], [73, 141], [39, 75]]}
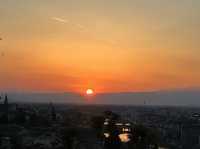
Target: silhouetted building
{"points": [[53, 112], [4, 113], [191, 136]]}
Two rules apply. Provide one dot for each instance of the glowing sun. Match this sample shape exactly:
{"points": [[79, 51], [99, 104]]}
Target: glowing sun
{"points": [[89, 92]]}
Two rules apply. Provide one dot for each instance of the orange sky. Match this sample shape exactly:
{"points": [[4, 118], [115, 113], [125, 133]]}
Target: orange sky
{"points": [[110, 46]]}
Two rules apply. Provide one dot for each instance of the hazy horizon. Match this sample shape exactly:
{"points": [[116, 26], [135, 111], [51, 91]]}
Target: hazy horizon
{"points": [[161, 98]]}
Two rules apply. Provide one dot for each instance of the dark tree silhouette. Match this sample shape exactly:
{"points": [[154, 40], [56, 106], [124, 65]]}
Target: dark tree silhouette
{"points": [[144, 137], [97, 124], [67, 136]]}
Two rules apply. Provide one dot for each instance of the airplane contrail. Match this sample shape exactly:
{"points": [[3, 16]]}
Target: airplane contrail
{"points": [[84, 29], [60, 20]]}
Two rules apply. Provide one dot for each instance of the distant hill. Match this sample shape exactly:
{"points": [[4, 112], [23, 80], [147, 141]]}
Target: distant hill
{"points": [[183, 98]]}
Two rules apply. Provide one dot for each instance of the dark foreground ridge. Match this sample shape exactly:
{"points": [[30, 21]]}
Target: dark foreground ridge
{"points": [[64, 126]]}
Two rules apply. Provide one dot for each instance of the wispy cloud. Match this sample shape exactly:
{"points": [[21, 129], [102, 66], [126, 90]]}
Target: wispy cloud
{"points": [[76, 25], [80, 26], [60, 20], [84, 29]]}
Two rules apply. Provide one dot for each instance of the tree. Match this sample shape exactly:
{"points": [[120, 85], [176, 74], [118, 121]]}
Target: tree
{"points": [[97, 124], [143, 137], [67, 136]]}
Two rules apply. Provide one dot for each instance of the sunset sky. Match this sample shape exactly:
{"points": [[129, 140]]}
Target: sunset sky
{"points": [[106, 45]]}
